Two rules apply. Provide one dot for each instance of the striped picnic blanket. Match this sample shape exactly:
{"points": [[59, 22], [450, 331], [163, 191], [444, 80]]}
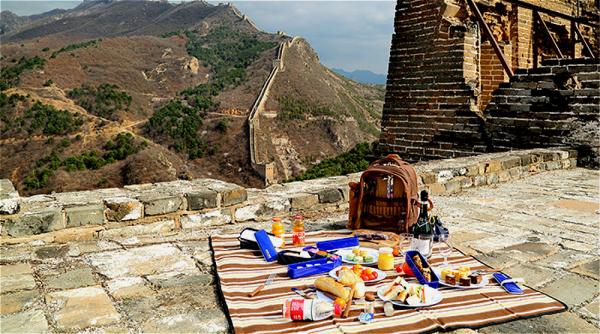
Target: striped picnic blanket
{"points": [[240, 271]]}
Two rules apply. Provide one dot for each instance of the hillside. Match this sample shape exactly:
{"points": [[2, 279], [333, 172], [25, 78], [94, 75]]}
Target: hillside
{"points": [[174, 84]]}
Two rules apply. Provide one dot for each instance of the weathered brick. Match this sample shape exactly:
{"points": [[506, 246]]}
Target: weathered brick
{"points": [[303, 201], [31, 223], [159, 204], [82, 215], [202, 199], [331, 195]]}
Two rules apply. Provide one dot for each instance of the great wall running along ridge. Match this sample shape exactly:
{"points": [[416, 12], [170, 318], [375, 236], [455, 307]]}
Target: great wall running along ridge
{"points": [[265, 169]]}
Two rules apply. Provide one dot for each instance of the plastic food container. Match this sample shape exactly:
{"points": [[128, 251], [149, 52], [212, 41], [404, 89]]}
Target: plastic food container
{"points": [[313, 267], [337, 243], [248, 239], [435, 281], [266, 246]]}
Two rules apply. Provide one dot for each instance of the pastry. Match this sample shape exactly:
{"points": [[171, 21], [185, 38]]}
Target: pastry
{"points": [[328, 284], [445, 272], [370, 296], [388, 309], [359, 289], [465, 281], [464, 271], [348, 278], [397, 281], [417, 262], [450, 279], [475, 279], [426, 274]]}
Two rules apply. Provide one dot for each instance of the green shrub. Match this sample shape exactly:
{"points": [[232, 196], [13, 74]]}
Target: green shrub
{"points": [[353, 161], [119, 148], [104, 100], [51, 120], [48, 83], [180, 123], [227, 51], [291, 108], [38, 178], [74, 46], [223, 125], [172, 33], [10, 75]]}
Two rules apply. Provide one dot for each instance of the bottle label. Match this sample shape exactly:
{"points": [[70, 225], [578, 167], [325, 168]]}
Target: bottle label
{"points": [[297, 309], [298, 238]]}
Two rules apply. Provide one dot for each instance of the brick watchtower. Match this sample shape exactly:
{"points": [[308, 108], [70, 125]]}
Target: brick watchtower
{"points": [[443, 69]]}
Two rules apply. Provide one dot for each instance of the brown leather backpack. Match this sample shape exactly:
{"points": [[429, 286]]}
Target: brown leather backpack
{"points": [[386, 197]]}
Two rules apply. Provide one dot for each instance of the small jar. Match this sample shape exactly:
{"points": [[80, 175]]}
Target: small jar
{"points": [[386, 259]]}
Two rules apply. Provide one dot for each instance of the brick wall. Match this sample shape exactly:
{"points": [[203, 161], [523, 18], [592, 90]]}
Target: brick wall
{"points": [[545, 107], [442, 75], [430, 95], [492, 73]]}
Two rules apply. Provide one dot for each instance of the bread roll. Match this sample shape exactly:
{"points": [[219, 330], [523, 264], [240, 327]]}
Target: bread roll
{"points": [[360, 289], [328, 284], [349, 278]]}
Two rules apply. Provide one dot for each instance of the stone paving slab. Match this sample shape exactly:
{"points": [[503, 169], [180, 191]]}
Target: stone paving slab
{"points": [[138, 279]]}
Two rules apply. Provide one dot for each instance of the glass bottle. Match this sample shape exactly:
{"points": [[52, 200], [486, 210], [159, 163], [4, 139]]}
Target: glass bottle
{"points": [[298, 231], [422, 230], [278, 229]]}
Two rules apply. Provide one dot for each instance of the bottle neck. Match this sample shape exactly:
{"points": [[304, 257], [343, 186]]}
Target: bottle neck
{"points": [[424, 209]]}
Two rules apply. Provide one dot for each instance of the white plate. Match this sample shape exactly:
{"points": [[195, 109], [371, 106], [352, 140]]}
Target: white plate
{"points": [[484, 281], [380, 275], [436, 297], [372, 252]]}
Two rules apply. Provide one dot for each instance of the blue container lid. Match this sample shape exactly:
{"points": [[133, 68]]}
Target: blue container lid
{"points": [[266, 246]]}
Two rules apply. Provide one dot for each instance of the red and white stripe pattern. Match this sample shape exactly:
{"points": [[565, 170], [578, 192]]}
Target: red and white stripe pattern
{"points": [[240, 271]]}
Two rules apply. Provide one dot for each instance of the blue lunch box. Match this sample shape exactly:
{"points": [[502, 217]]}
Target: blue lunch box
{"points": [[313, 267], [435, 281]]}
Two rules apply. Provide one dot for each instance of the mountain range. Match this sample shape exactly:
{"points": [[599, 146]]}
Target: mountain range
{"points": [[111, 93], [363, 76]]}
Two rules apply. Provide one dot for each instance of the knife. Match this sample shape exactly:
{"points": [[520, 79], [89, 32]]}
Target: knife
{"points": [[260, 287]]}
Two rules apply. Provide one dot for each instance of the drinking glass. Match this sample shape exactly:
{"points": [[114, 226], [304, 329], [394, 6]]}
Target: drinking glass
{"points": [[444, 247], [405, 243], [423, 243]]}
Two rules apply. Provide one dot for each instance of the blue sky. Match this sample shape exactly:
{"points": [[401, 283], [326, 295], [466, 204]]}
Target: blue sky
{"points": [[351, 35]]}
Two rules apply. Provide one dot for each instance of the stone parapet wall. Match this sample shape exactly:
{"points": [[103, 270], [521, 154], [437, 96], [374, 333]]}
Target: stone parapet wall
{"points": [[204, 204]]}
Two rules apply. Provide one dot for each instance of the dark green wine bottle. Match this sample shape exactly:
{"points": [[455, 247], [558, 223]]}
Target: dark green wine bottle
{"points": [[423, 226]]}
